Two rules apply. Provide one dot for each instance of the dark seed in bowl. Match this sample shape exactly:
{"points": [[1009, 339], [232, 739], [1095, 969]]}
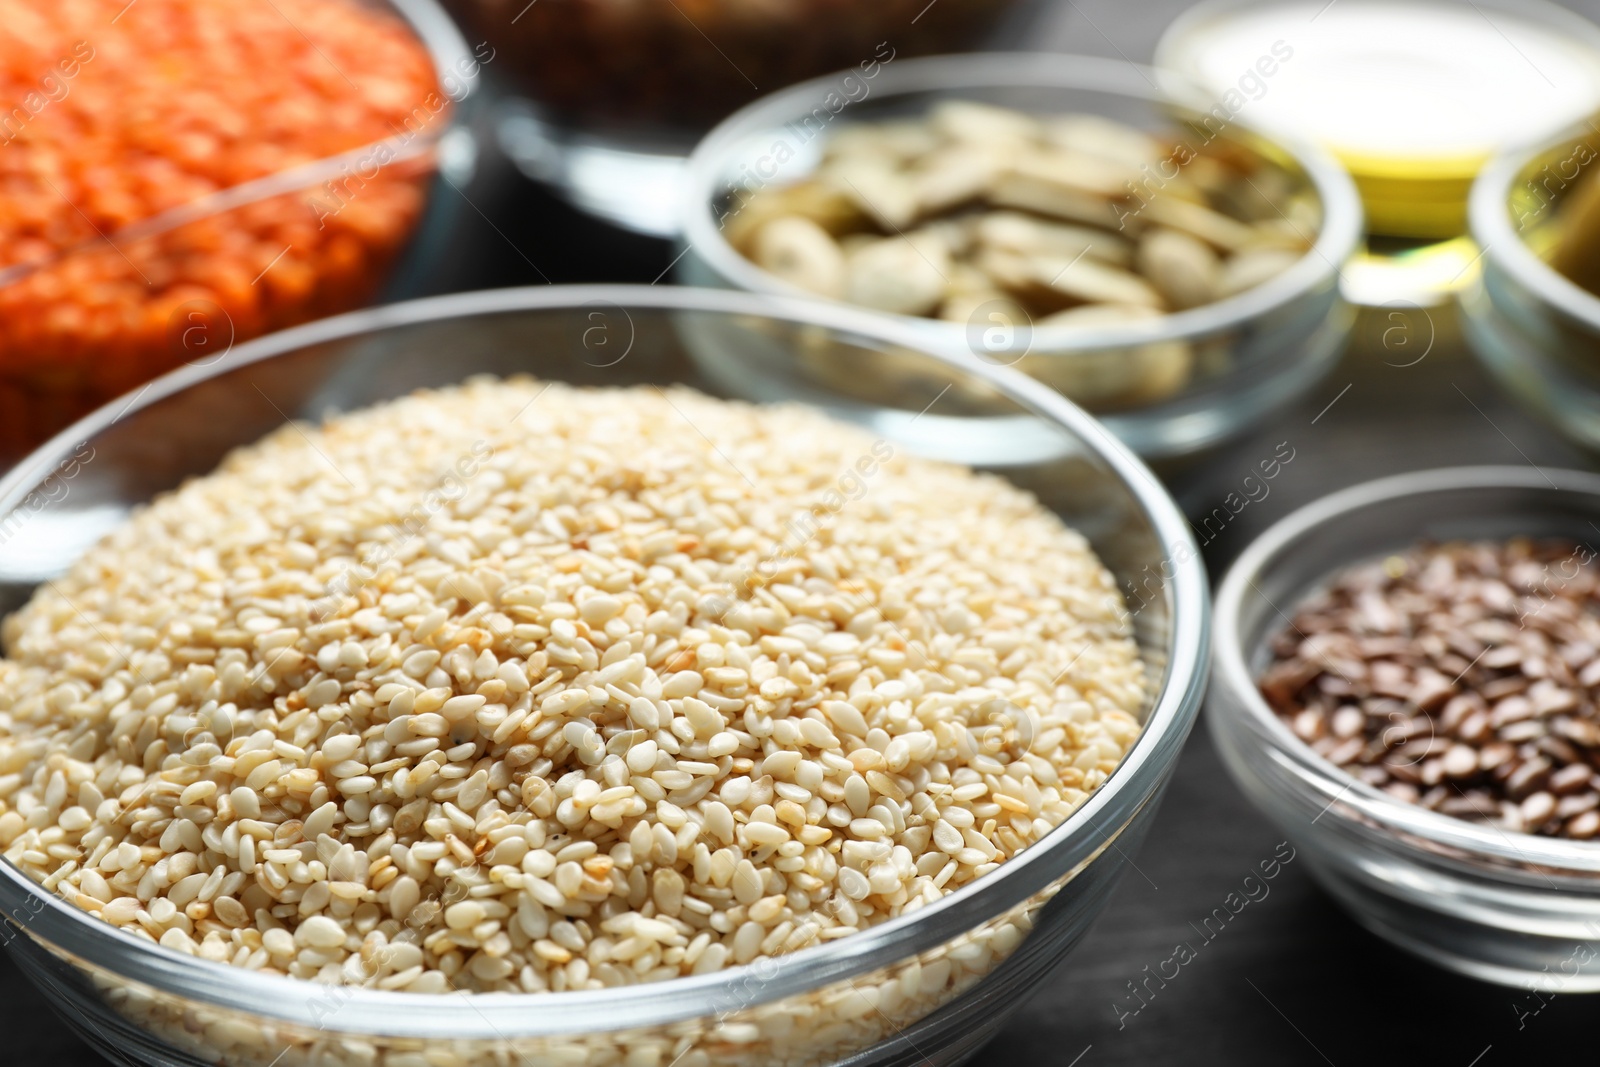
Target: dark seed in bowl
{"points": [[1464, 677]]}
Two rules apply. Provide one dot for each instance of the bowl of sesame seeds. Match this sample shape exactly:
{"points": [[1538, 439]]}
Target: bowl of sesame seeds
{"points": [[1404, 682], [545, 704]]}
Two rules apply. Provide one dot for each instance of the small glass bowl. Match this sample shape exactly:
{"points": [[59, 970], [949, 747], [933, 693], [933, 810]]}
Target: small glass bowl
{"points": [[1246, 355], [1512, 908], [1536, 331], [1410, 193], [932, 984], [615, 93], [101, 318]]}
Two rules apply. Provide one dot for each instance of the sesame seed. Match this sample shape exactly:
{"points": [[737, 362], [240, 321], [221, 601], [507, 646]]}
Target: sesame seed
{"points": [[589, 718]]}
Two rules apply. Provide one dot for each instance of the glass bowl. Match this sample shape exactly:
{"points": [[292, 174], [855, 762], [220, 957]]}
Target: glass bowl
{"points": [[1536, 331], [1413, 158], [616, 92], [95, 320], [1512, 908], [1240, 357], [931, 985]]}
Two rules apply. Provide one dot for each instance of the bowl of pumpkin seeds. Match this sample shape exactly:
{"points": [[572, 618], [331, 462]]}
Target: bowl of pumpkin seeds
{"points": [[1103, 227]]}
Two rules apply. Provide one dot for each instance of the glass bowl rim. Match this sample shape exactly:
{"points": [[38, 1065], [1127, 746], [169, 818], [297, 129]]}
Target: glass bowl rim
{"points": [[448, 52], [1231, 673], [506, 1015], [1489, 221], [1338, 239]]}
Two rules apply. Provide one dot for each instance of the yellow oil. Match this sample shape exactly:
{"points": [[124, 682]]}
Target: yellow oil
{"points": [[1412, 96]]}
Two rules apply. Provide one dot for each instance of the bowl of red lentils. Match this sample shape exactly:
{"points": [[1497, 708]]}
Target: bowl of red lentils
{"points": [[1407, 680], [180, 175]]}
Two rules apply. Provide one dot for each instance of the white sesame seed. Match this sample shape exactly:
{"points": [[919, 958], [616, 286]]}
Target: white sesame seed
{"points": [[560, 741], [319, 931]]}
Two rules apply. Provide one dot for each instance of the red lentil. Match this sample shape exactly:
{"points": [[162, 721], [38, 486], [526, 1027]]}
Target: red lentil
{"points": [[113, 113]]}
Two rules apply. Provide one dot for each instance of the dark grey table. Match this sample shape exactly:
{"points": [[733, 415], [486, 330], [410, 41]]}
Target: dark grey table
{"points": [[1291, 980]]}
